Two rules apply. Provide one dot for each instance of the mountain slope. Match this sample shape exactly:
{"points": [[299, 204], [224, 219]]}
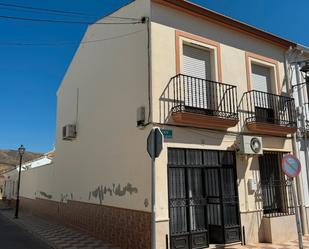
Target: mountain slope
{"points": [[10, 158]]}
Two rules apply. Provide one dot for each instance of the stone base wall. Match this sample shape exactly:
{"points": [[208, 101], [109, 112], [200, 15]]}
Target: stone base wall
{"points": [[251, 221], [128, 229], [279, 229]]}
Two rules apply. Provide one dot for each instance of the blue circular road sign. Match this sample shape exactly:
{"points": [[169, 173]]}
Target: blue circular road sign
{"points": [[291, 165]]}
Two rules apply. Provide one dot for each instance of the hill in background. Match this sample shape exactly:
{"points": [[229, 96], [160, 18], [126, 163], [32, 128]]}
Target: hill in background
{"points": [[10, 158]]}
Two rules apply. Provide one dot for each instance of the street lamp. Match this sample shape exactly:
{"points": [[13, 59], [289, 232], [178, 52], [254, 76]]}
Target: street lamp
{"points": [[305, 69], [21, 152]]}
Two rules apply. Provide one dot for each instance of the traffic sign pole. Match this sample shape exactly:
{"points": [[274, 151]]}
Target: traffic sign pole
{"points": [[291, 168], [154, 148], [297, 217], [153, 200]]}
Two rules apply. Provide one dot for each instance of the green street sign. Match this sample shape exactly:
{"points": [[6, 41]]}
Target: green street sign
{"points": [[168, 134]]}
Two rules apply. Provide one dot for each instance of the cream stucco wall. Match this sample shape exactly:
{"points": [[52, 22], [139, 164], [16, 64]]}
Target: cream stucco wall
{"points": [[37, 182], [234, 45], [110, 77]]}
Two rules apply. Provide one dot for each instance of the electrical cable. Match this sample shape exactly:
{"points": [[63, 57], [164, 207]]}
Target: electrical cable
{"points": [[59, 12], [69, 42], [66, 15], [45, 9], [65, 21]]}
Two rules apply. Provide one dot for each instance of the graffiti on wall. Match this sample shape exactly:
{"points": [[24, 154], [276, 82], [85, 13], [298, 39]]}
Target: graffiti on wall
{"points": [[115, 190]]}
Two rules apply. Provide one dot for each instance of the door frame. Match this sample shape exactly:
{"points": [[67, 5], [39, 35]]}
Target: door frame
{"points": [[221, 203]]}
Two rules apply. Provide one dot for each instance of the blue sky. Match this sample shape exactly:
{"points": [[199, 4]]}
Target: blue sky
{"points": [[31, 75]]}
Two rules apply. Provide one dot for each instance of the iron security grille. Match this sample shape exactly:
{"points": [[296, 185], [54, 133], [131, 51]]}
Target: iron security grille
{"points": [[276, 189], [203, 198], [203, 96]]}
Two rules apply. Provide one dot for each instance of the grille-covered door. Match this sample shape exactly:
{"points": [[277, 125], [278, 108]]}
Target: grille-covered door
{"points": [[187, 205], [203, 199]]}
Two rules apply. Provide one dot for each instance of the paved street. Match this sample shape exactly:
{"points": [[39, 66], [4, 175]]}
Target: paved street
{"points": [[25, 232], [56, 235], [13, 236]]}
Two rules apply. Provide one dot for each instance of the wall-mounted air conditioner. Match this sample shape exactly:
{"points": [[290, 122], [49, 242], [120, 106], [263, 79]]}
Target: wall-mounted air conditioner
{"points": [[69, 132], [251, 145]]}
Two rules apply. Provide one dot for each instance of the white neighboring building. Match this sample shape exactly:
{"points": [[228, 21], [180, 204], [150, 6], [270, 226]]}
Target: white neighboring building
{"points": [[41, 161], [11, 177], [300, 94]]}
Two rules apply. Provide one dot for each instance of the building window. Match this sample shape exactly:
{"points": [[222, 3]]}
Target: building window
{"points": [[198, 56], [263, 74], [276, 190], [262, 78]]}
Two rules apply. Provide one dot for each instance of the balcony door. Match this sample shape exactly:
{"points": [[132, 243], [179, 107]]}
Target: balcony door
{"points": [[264, 103], [197, 66]]}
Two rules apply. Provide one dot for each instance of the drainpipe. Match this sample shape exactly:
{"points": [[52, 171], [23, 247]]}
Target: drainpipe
{"points": [[295, 149]]}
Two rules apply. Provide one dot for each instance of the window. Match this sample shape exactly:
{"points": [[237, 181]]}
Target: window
{"points": [[197, 50], [276, 191], [196, 62], [197, 65], [262, 73], [261, 78]]}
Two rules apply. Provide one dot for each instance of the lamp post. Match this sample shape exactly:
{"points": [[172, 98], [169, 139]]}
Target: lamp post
{"points": [[21, 151]]}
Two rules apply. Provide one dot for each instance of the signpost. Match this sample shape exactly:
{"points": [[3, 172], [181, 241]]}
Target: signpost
{"points": [[154, 148], [291, 168]]}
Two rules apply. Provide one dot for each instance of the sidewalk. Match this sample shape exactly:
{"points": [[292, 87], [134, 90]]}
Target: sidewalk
{"points": [[288, 245], [56, 235], [61, 237]]}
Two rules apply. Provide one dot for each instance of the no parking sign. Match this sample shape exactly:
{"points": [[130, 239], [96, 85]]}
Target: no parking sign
{"points": [[291, 166]]}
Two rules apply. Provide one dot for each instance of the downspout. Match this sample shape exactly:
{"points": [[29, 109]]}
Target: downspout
{"points": [[153, 235], [295, 148], [149, 70]]}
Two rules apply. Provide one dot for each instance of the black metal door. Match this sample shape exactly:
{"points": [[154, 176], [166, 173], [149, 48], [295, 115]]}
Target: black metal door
{"points": [[203, 200]]}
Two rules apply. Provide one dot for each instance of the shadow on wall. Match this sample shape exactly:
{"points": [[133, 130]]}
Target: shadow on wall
{"points": [[167, 101]]}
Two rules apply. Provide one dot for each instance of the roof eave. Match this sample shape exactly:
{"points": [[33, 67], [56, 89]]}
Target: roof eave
{"points": [[212, 16]]}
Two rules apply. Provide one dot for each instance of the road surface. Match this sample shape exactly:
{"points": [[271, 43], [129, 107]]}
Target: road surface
{"points": [[13, 236]]}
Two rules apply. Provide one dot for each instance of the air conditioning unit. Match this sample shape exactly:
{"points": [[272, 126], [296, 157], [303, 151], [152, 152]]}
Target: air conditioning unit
{"points": [[69, 132], [251, 145]]}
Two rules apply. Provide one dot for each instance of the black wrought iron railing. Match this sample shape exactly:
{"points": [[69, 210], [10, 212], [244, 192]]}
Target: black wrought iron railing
{"points": [[257, 106], [191, 94]]}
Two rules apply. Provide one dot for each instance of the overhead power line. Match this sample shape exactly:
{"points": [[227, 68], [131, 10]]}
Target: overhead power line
{"points": [[63, 43], [64, 21], [56, 11], [45, 9]]}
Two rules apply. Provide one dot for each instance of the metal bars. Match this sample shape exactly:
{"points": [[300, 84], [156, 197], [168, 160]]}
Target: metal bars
{"points": [[276, 189], [258, 106], [202, 96]]}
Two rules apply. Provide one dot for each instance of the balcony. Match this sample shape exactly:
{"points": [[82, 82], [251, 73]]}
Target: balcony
{"points": [[269, 114], [202, 103]]}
